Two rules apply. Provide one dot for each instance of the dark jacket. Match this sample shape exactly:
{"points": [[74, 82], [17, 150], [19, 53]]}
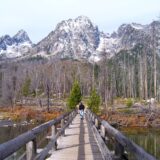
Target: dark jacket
{"points": [[81, 107]]}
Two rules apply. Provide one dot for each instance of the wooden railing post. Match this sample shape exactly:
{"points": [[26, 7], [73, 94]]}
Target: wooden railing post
{"points": [[92, 118], [72, 114], [119, 150], [90, 115], [96, 123], [62, 125], [53, 131], [31, 149], [103, 131], [71, 117], [53, 134]]}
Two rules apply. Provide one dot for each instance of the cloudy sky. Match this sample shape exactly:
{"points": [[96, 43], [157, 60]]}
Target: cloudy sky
{"points": [[39, 17]]}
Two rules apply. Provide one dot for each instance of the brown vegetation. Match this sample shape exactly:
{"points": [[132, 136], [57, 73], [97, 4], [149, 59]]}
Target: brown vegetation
{"points": [[131, 119], [29, 114]]}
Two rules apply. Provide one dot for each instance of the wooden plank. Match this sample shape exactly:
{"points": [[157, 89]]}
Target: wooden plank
{"points": [[52, 143], [104, 150], [77, 144]]}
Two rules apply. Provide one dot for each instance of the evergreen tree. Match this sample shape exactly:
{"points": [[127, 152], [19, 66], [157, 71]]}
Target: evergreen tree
{"points": [[75, 95], [26, 87], [94, 101]]}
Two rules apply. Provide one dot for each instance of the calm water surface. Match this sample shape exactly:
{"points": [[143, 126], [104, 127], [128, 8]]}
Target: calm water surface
{"points": [[7, 133], [149, 139]]}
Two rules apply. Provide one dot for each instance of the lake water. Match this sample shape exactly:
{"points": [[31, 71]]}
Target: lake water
{"points": [[149, 139], [7, 133]]}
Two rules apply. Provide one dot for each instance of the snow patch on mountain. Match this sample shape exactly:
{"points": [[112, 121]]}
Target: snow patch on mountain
{"points": [[74, 38], [137, 26], [78, 39], [16, 46]]}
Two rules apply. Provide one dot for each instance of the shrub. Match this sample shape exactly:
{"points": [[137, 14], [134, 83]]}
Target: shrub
{"points": [[94, 101], [129, 102]]}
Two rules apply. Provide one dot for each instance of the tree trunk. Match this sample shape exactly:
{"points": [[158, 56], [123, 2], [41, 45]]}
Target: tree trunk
{"points": [[48, 92], [145, 76]]}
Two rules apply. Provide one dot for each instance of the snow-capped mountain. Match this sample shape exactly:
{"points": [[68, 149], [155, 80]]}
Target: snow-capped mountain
{"points": [[16, 46], [79, 39], [73, 38]]}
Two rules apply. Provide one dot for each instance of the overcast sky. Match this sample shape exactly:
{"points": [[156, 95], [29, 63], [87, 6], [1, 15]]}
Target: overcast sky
{"points": [[39, 17]]}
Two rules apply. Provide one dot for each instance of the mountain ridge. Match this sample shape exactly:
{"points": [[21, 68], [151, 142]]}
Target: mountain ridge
{"points": [[79, 38]]}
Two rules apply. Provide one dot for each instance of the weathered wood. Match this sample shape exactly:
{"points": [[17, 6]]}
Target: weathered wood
{"points": [[103, 131], [122, 142], [62, 125], [8, 148], [96, 123], [31, 149], [119, 150], [48, 124], [105, 151], [15, 144], [46, 150], [127, 144], [78, 144], [53, 134], [53, 131]]}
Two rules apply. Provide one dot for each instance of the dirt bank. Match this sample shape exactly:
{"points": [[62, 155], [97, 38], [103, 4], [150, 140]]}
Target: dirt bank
{"points": [[133, 118]]}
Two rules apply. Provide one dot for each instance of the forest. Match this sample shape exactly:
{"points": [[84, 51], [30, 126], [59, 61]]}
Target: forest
{"points": [[129, 74]]}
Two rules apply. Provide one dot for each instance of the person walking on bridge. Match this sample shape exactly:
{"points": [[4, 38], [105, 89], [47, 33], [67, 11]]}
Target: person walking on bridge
{"points": [[81, 110]]}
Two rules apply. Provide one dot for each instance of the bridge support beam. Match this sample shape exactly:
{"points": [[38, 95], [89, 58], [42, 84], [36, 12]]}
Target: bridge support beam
{"points": [[31, 149], [96, 123], [103, 132], [62, 125], [53, 134], [119, 150]]}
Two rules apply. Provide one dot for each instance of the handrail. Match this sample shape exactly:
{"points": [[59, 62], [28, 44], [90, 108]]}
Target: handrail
{"points": [[122, 143], [8, 148], [50, 145]]}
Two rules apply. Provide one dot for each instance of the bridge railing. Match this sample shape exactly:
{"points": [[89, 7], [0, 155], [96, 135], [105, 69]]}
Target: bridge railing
{"points": [[121, 143], [29, 139]]}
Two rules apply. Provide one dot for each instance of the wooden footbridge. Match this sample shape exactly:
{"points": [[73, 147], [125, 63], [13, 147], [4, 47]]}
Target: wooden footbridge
{"points": [[73, 139]]}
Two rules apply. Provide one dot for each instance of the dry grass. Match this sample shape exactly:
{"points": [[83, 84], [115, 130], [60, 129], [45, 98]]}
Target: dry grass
{"points": [[28, 114]]}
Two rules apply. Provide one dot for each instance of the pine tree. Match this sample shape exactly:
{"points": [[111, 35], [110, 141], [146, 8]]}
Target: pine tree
{"points": [[75, 96], [94, 101], [26, 87]]}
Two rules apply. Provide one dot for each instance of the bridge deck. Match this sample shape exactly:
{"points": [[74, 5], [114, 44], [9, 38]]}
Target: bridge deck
{"points": [[79, 143]]}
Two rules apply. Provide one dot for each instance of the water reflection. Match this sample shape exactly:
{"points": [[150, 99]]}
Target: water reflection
{"points": [[149, 139], [7, 133]]}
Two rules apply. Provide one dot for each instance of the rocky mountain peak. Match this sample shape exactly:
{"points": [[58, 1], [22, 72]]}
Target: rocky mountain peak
{"points": [[16, 46], [74, 25], [74, 38], [129, 28], [21, 37]]}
